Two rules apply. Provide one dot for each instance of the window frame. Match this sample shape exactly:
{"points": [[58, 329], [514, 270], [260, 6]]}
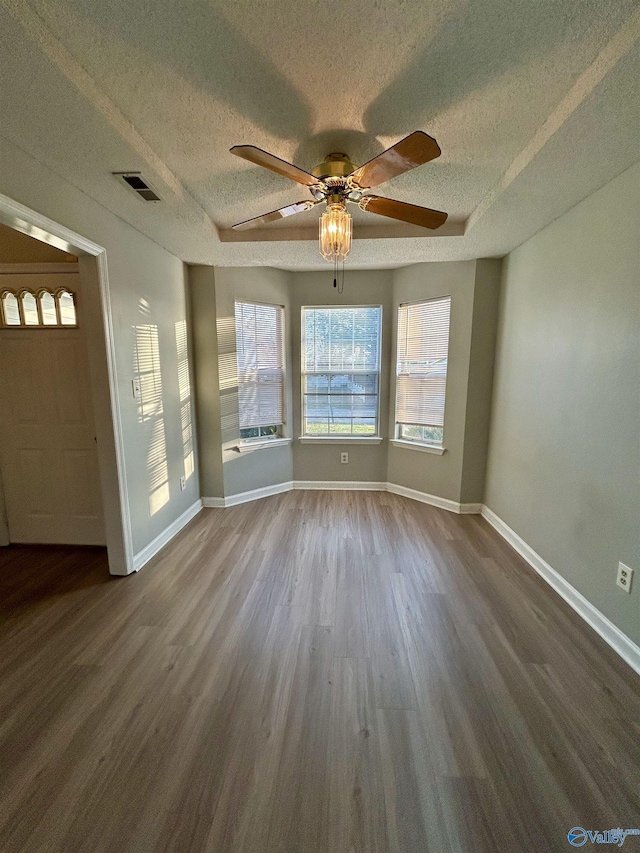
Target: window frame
{"points": [[37, 295], [410, 442], [313, 438], [280, 436]]}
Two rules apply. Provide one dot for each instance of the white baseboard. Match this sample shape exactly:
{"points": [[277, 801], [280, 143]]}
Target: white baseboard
{"points": [[611, 634], [470, 509], [157, 544], [343, 485], [340, 485], [434, 500], [213, 503], [244, 497]]}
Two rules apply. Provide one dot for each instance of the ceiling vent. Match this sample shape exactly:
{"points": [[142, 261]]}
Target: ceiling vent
{"points": [[138, 185]]}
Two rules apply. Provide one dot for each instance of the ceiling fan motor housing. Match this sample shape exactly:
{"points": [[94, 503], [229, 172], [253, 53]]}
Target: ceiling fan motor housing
{"points": [[334, 184], [336, 165]]}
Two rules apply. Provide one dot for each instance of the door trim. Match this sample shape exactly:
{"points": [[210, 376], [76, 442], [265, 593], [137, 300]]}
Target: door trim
{"points": [[34, 224]]}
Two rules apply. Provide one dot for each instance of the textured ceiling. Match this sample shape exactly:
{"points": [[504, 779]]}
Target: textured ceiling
{"points": [[534, 104]]}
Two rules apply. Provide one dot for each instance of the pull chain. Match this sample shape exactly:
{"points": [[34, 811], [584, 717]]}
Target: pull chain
{"points": [[338, 281]]}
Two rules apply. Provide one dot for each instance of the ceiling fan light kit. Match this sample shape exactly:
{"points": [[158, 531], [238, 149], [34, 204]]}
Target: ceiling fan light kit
{"points": [[336, 181], [335, 232]]}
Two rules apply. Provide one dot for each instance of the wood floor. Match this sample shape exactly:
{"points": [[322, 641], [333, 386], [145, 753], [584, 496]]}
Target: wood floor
{"points": [[315, 671]]}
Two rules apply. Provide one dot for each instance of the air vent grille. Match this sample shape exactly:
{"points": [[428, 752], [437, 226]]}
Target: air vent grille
{"points": [[138, 185], [148, 194]]}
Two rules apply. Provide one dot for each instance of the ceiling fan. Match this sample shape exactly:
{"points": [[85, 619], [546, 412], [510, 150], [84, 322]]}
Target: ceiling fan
{"points": [[337, 182]]}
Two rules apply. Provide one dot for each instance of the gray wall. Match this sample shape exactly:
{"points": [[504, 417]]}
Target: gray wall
{"points": [[473, 287], [202, 299], [258, 468], [147, 289], [484, 325], [367, 463], [153, 313], [564, 460]]}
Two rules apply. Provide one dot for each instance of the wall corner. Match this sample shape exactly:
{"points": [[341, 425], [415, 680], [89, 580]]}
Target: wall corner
{"points": [[486, 298]]}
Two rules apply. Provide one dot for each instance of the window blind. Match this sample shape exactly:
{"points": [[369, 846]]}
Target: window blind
{"points": [[260, 358], [423, 345], [341, 339], [340, 370]]}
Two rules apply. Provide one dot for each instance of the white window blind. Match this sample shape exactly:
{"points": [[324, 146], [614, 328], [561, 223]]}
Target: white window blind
{"points": [[340, 370], [423, 345], [260, 357]]}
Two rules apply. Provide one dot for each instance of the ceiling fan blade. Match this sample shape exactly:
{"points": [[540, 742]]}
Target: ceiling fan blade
{"points": [[289, 210], [270, 161], [412, 151], [412, 213]]}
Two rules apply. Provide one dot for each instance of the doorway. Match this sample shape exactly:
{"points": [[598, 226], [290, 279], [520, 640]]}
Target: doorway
{"points": [[66, 431], [48, 448]]}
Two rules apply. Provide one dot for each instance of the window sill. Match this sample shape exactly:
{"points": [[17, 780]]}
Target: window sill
{"points": [[340, 439], [259, 444], [414, 445]]}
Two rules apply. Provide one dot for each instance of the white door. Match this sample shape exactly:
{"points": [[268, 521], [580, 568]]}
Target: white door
{"points": [[48, 455]]}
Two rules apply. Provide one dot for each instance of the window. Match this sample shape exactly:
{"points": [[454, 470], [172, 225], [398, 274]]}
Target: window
{"points": [[66, 308], [10, 310], [29, 309], [48, 309], [340, 370], [260, 359], [421, 376], [44, 308]]}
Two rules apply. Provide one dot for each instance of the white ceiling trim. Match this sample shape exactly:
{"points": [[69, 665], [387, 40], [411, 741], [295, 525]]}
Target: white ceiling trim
{"points": [[615, 49], [37, 30]]}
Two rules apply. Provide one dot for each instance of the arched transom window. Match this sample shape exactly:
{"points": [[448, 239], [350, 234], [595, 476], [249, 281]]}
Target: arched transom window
{"points": [[44, 307]]}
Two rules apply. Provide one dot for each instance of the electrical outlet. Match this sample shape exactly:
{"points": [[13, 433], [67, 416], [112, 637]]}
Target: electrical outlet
{"points": [[344, 458], [625, 577], [183, 484]]}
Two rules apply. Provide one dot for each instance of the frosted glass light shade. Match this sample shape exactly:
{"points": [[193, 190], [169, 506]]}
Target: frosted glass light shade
{"points": [[335, 233]]}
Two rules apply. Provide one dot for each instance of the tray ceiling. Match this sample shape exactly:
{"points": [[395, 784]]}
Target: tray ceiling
{"points": [[534, 105]]}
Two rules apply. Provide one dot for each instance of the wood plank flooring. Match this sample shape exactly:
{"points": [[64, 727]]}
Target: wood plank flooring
{"points": [[315, 672]]}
